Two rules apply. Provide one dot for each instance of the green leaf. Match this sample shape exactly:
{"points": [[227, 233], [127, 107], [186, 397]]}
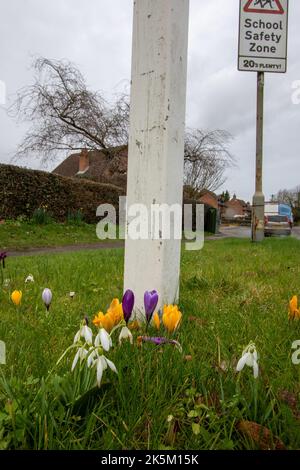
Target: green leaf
{"points": [[193, 414], [196, 428]]}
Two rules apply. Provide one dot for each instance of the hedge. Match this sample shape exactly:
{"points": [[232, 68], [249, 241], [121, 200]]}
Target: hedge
{"points": [[22, 191]]}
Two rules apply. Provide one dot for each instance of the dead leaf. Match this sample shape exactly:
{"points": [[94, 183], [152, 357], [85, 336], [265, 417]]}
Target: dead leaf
{"points": [[291, 400], [260, 435], [188, 357]]}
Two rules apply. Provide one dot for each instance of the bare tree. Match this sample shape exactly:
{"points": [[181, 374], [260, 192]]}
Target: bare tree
{"points": [[65, 115], [206, 157], [289, 196]]}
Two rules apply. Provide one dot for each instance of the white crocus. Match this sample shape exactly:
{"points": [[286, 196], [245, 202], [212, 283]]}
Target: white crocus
{"points": [[101, 364], [29, 278], [125, 334], [81, 354], [84, 332], [103, 339], [47, 297], [249, 358]]}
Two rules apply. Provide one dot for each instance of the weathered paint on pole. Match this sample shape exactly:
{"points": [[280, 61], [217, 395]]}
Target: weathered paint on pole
{"points": [[258, 209], [156, 138]]}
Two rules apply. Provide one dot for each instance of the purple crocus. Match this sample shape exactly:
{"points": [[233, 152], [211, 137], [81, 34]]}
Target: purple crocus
{"points": [[127, 304], [150, 302], [3, 255], [159, 340]]}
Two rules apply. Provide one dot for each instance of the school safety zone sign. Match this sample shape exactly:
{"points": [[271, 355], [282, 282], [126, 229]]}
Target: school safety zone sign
{"points": [[263, 36]]}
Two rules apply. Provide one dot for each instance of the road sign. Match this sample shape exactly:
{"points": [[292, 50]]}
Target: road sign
{"points": [[263, 35]]}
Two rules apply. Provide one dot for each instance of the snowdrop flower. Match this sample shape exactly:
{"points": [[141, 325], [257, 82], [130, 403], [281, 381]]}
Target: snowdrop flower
{"points": [[81, 354], [84, 332], [47, 297], [103, 339], [249, 358], [29, 278], [125, 334], [101, 364]]}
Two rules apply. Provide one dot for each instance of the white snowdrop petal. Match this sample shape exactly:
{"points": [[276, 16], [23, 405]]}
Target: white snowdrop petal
{"points": [[97, 341], [111, 365], [104, 362], [77, 336], [88, 334], [250, 360], [255, 369], [99, 371], [75, 360], [242, 362], [105, 339]]}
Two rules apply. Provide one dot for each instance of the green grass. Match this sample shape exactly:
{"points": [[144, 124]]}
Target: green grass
{"points": [[232, 292], [20, 236]]}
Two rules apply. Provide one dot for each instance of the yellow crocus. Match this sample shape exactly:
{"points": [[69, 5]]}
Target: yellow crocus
{"points": [[104, 321], [116, 311], [16, 297], [294, 312], [156, 320], [171, 317]]}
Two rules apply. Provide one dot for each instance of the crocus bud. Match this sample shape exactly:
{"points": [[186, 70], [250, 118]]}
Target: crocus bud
{"points": [[47, 297], [3, 255], [150, 302], [16, 297], [127, 304]]}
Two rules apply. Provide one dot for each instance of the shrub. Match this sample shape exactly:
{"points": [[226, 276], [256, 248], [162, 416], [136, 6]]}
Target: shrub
{"points": [[24, 191]]}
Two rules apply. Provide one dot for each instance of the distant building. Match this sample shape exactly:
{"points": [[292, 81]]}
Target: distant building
{"points": [[236, 207], [209, 198]]}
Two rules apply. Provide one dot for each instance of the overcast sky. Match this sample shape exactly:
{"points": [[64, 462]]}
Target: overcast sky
{"points": [[96, 35]]}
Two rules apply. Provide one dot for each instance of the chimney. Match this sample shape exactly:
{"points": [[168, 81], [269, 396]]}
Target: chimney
{"points": [[83, 161]]}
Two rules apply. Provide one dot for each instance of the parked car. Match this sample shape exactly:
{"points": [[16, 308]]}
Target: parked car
{"points": [[274, 208], [277, 225], [285, 209]]}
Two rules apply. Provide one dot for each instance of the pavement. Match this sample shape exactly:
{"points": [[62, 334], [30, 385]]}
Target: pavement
{"points": [[67, 248]]}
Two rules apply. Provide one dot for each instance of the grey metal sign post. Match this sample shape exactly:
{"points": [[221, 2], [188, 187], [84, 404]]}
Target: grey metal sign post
{"points": [[262, 48]]}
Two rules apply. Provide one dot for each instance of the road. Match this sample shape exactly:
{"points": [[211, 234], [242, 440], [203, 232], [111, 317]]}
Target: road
{"points": [[245, 232]]}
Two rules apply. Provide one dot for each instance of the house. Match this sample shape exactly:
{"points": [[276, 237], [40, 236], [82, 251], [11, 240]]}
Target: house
{"points": [[209, 198], [102, 166], [236, 207]]}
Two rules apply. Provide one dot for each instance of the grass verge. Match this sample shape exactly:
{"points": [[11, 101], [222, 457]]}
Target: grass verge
{"points": [[232, 292]]}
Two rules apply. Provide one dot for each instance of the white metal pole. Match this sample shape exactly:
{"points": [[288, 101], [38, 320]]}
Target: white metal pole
{"points": [[156, 138]]}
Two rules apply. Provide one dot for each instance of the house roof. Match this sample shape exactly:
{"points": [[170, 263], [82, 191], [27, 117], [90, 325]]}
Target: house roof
{"points": [[204, 192], [105, 166]]}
